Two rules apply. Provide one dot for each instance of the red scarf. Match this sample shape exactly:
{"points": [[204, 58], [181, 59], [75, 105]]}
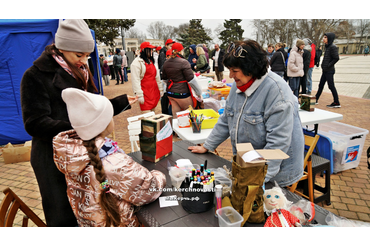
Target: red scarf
{"points": [[247, 85]]}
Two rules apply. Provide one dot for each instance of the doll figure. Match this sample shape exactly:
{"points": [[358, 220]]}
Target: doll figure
{"points": [[275, 205]]}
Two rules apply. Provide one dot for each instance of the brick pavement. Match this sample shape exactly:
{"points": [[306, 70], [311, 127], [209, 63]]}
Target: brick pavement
{"points": [[350, 190]]}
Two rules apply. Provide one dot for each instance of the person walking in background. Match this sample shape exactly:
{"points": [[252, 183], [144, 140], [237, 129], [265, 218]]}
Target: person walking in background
{"points": [[331, 57], [312, 64], [306, 64], [318, 56], [111, 67], [218, 66], [117, 64], [366, 51], [106, 72], [124, 65], [295, 66], [101, 61]]}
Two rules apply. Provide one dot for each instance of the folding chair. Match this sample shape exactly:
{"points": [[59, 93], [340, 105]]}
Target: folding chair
{"points": [[134, 129], [9, 208], [310, 143], [322, 163]]}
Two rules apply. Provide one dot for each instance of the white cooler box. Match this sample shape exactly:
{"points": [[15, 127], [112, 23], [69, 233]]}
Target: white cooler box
{"points": [[348, 142]]}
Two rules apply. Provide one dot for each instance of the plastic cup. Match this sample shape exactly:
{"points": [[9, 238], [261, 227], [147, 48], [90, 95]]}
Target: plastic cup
{"points": [[197, 127], [177, 176]]}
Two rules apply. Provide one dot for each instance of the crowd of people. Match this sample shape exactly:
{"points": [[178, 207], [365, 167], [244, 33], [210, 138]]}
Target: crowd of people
{"points": [[296, 65], [75, 164]]}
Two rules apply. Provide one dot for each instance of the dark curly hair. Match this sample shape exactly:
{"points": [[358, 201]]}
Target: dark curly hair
{"points": [[254, 63]]}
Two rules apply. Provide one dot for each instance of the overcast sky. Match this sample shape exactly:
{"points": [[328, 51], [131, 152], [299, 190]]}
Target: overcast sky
{"points": [[143, 24]]}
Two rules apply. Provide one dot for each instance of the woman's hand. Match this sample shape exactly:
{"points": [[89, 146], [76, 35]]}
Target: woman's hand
{"points": [[141, 100], [132, 99], [198, 149]]}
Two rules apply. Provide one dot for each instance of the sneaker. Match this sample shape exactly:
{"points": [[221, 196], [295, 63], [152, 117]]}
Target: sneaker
{"points": [[334, 105], [316, 103]]}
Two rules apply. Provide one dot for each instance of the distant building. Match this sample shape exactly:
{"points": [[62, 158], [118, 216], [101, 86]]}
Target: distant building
{"points": [[353, 45]]}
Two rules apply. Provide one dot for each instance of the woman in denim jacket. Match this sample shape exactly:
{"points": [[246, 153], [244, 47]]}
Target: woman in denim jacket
{"points": [[262, 110]]}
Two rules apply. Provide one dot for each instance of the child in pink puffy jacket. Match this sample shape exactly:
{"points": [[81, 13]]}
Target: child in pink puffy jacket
{"points": [[103, 183]]}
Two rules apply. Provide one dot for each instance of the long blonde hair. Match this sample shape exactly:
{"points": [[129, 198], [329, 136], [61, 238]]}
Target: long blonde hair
{"points": [[200, 51]]}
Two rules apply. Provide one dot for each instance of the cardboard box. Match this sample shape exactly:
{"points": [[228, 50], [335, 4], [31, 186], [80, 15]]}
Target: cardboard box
{"points": [[153, 145], [308, 102], [264, 154], [13, 154]]}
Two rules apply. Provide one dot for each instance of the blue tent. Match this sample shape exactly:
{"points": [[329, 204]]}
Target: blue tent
{"points": [[22, 42]]}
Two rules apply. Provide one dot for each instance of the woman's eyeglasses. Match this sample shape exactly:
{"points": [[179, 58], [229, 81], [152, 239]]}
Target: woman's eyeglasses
{"points": [[236, 51]]}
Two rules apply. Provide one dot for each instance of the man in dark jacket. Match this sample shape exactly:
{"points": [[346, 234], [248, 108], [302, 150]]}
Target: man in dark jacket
{"points": [[162, 54], [161, 59], [331, 57], [218, 66]]}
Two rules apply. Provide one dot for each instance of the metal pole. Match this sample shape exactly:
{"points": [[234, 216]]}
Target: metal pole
{"points": [[123, 40]]}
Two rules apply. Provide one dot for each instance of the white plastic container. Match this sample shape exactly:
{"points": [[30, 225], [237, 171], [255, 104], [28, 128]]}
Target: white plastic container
{"points": [[229, 217], [348, 142]]}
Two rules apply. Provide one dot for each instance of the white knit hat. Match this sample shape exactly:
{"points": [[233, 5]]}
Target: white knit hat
{"points": [[88, 113], [74, 35]]}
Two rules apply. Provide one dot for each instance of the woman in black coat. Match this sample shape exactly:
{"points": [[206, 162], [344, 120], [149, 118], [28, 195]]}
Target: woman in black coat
{"points": [[277, 61], [45, 113]]}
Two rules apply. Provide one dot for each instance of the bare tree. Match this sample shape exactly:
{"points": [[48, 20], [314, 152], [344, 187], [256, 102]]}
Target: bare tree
{"points": [[159, 30], [136, 33], [362, 29], [314, 29], [345, 29], [288, 30]]}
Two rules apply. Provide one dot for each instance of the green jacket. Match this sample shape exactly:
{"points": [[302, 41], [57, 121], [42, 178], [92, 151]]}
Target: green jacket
{"points": [[201, 62]]}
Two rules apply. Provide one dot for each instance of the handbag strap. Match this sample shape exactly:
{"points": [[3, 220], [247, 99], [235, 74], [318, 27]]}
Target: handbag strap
{"points": [[283, 58]]}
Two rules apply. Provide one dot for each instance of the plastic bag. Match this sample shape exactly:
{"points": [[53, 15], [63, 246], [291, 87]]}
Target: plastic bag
{"points": [[339, 221], [304, 210]]}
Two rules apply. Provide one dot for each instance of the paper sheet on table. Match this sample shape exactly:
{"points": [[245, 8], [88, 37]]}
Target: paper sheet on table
{"points": [[165, 132], [251, 156], [168, 201], [183, 163]]}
